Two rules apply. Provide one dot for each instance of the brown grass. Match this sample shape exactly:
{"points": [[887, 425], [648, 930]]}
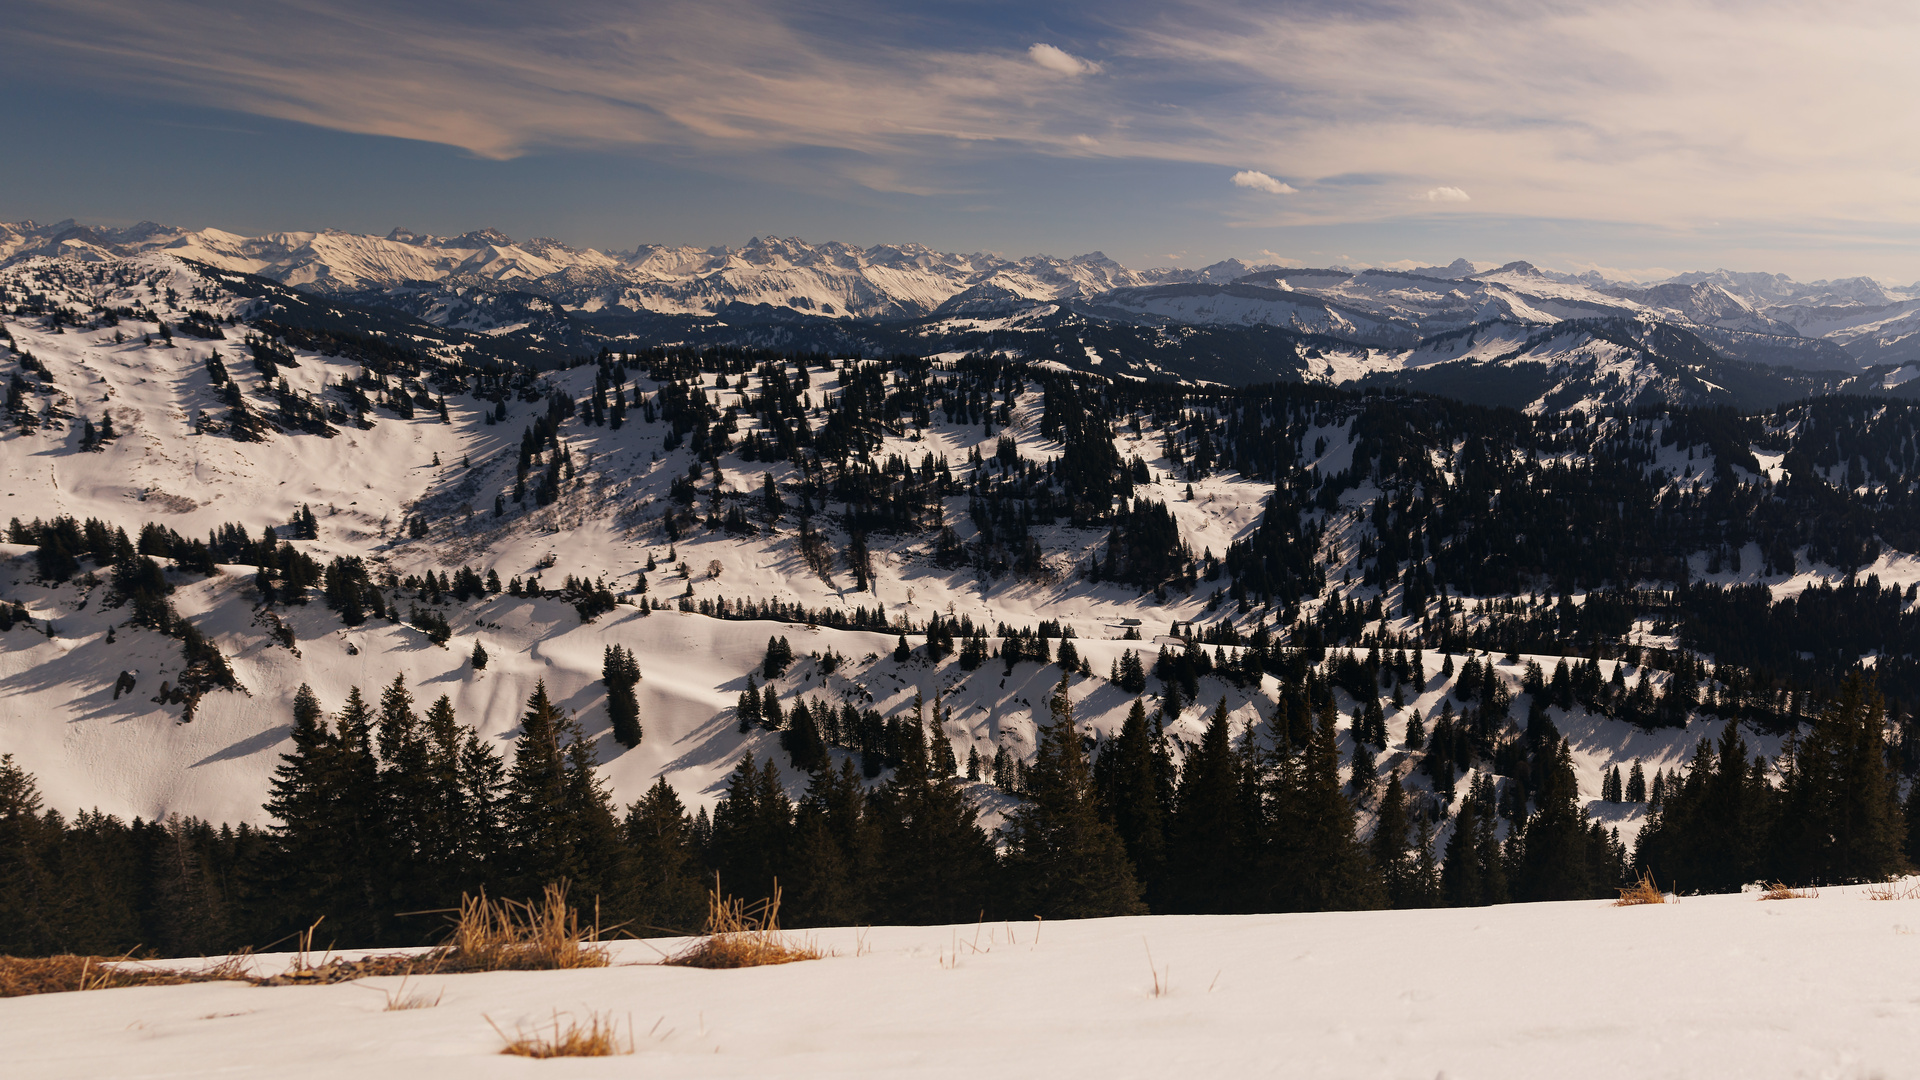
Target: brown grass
{"points": [[23, 975], [1896, 889], [1780, 890], [598, 1036], [740, 936], [1643, 891], [516, 935]]}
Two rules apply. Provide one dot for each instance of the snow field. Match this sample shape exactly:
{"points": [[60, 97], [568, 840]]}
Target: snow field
{"points": [[1715, 986]]}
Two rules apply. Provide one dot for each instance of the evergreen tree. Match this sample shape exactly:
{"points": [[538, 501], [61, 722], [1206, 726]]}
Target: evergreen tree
{"points": [[834, 848], [540, 845], [1064, 860], [1840, 817], [752, 826], [1208, 833], [1389, 843], [669, 884], [621, 672], [935, 864], [1335, 872], [1127, 782]]}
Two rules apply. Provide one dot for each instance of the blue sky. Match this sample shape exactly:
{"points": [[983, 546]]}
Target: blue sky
{"points": [[1638, 138]]}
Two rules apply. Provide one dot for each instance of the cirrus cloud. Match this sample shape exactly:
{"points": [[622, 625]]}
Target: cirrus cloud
{"points": [[1444, 194], [1259, 181]]}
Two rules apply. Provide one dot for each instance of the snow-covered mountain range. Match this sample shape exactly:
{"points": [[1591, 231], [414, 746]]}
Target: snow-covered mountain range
{"points": [[488, 282]]}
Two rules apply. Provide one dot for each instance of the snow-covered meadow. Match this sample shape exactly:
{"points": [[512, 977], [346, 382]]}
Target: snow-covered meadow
{"points": [[1712, 986]]}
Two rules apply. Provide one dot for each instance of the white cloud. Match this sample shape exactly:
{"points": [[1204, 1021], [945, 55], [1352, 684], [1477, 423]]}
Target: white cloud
{"points": [[1444, 194], [1259, 181], [1060, 60]]}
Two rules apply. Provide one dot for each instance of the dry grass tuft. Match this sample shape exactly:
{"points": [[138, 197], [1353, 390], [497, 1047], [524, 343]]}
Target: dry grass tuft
{"points": [[24, 975], [599, 1036], [1643, 891], [740, 936], [1897, 889], [515, 935], [399, 1000], [1779, 890]]}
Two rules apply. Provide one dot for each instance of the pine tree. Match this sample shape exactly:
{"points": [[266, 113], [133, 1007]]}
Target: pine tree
{"points": [[1636, 790], [1389, 842], [934, 863], [538, 840], [1840, 818], [479, 657], [1126, 779], [752, 827], [621, 672], [747, 708], [1335, 871], [1208, 832], [830, 877], [670, 886], [1065, 861]]}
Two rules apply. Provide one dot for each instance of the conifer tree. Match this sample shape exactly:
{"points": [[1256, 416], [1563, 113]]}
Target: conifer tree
{"points": [[620, 670], [1126, 780], [1840, 817], [1064, 859], [752, 827], [834, 847], [935, 864], [747, 708], [1336, 872], [1209, 835], [669, 882], [539, 842], [479, 657], [1389, 843]]}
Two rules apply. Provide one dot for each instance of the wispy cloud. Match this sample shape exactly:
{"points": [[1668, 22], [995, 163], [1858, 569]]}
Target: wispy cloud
{"points": [[1059, 60], [1259, 181], [1674, 114]]}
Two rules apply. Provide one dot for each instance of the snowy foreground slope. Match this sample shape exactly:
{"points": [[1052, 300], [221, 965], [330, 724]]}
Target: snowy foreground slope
{"points": [[1715, 986]]}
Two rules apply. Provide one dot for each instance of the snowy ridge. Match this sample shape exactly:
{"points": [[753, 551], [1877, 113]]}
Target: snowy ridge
{"points": [[129, 754]]}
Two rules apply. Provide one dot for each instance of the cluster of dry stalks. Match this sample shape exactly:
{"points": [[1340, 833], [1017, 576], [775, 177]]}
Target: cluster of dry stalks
{"points": [[1780, 890], [597, 1036], [1897, 889], [516, 935], [739, 935], [23, 975], [1643, 891]]}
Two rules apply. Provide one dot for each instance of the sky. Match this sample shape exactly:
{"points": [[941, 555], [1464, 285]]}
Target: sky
{"points": [[1639, 139]]}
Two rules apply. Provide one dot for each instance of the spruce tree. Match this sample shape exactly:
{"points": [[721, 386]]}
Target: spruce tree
{"points": [[537, 837], [1336, 872], [1208, 834], [935, 863], [1127, 783], [1064, 859], [752, 827], [669, 882], [830, 877], [620, 670], [1389, 843]]}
